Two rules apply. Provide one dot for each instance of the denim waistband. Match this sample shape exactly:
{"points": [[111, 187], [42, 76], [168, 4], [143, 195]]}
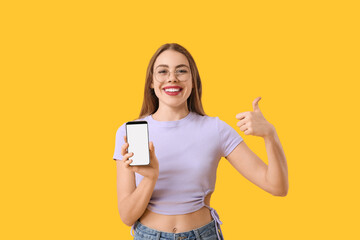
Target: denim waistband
{"points": [[204, 231]]}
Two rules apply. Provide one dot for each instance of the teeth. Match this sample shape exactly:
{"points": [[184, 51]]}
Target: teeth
{"points": [[172, 90]]}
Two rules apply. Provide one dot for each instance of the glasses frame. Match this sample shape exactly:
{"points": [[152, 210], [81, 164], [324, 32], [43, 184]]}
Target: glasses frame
{"points": [[168, 75]]}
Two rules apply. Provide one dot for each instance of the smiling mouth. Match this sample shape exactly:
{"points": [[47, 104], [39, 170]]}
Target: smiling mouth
{"points": [[172, 90]]}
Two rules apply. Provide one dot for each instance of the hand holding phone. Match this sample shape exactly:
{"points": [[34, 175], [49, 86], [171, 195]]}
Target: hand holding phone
{"points": [[152, 169]]}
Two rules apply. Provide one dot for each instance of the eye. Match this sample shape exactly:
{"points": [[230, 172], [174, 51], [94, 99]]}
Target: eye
{"points": [[182, 71], [163, 71]]}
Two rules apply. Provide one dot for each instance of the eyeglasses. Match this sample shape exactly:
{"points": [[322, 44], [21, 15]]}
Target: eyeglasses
{"points": [[163, 73]]}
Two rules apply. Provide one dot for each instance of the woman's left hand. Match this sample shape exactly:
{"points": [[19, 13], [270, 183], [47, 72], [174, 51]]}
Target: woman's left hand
{"points": [[254, 123]]}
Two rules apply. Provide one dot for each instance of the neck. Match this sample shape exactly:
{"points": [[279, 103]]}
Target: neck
{"points": [[170, 114]]}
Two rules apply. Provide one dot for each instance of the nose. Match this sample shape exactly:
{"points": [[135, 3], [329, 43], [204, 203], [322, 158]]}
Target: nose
{"points": [[172, 77]]}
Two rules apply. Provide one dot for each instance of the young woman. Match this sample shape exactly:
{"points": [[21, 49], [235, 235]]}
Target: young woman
{"points": [[170, 198]]}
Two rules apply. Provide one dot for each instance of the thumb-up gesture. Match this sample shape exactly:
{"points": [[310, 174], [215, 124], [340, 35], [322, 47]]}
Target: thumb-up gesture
{"points": [[254, 123]]}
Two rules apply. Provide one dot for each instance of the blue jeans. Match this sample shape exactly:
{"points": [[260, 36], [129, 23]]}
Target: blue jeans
{"points": [[206, 232]]}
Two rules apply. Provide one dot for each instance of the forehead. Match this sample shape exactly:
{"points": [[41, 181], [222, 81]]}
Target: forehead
{"points": [[171, 58]]}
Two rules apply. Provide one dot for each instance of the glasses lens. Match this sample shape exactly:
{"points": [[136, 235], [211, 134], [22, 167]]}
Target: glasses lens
{"points": [[162, 74], [182, 74]]}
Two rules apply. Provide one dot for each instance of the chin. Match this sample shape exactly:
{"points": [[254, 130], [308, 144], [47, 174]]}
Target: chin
{"points": [[173, 104]]}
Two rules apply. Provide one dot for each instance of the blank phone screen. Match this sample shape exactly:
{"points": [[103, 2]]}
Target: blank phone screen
{"points": [[138, 139]]}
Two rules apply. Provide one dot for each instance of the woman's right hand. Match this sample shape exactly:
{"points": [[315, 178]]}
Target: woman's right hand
{"points": [[149, 171]]}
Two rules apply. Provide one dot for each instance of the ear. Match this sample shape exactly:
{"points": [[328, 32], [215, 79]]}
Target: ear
{"points": [[151, 85]]}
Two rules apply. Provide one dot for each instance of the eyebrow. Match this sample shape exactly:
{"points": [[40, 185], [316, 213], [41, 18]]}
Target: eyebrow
{"points": [[180, 65]]}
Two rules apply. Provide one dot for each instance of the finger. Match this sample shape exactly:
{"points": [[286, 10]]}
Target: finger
{"points": [[124, 148], [153, 157], [256, 105], [126, 159], [127, 156], [241, 115], [127, 163], [242, 122], [152, 148], [248, 131], [243, 128]]}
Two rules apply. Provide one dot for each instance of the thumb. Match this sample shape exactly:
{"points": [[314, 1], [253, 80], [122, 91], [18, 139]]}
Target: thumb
{"points": [[152, 148], [152, 152], [255, 104]]}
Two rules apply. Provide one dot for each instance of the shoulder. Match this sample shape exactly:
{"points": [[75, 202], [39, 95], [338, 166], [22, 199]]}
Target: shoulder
{"points": [[215, 121], [121, 130], [211, 124]]}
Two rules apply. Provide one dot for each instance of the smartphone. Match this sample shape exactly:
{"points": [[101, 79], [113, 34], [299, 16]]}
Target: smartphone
{"points": [[137, 135]]}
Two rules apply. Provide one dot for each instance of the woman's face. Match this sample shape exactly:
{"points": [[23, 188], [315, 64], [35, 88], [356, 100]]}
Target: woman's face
{"points": [[177, 65]]}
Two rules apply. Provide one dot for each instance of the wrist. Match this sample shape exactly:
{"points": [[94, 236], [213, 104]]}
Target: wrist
{"points": [[271, 132], [152, 178]]}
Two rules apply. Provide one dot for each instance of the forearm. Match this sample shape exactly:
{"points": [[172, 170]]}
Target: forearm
{"points": [[133, 206], [277, 173]]}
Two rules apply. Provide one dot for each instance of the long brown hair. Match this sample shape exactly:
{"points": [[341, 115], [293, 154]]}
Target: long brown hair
{"points": [[151, 101]]}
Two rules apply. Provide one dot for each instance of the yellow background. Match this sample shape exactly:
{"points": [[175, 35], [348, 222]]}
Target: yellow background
{"points": [[73, 71]]}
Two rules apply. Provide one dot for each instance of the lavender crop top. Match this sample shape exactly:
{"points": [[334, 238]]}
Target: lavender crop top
{"points": [[188, 151]]}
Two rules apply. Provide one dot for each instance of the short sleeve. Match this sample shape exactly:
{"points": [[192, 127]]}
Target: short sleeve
{"points": [[119, 141], [229, 137]]}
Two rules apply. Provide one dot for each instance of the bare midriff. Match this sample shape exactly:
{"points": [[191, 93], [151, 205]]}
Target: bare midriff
{"points": [[177, 223]]}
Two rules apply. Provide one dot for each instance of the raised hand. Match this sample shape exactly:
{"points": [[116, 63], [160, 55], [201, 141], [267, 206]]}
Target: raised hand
{"points": [[254, 123]]}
